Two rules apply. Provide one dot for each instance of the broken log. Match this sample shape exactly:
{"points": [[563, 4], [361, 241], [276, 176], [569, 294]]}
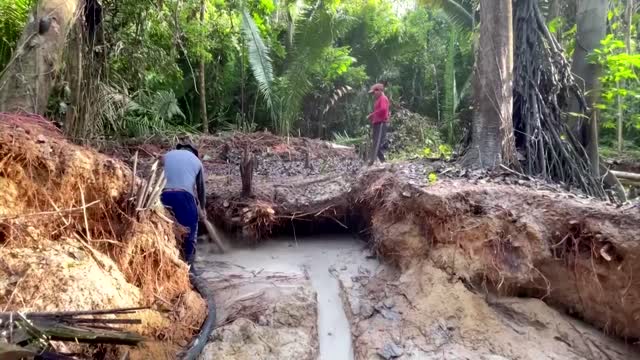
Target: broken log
{"points": [[626, 175]]}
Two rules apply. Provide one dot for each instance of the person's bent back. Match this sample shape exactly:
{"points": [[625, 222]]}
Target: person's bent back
{"points": [[185, 178]]}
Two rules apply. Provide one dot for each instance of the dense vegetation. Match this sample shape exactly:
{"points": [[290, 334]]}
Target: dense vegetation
{"points": [[300, 68]]}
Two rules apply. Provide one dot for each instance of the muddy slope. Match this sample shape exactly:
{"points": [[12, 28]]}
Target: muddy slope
{"points": [[424, 313]]}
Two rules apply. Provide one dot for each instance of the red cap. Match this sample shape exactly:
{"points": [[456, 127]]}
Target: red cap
{"points": [[376, 87]]}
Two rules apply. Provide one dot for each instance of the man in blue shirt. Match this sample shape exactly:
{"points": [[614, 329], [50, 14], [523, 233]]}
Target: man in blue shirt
{"points": [[185, 178]]}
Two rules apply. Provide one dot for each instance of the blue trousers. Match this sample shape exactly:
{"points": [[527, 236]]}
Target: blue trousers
{"points": [[183, 206]]}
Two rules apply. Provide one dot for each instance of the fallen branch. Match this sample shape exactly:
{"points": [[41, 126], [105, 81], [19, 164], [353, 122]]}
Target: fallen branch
{"points": [[54, 212], [626, 175]]}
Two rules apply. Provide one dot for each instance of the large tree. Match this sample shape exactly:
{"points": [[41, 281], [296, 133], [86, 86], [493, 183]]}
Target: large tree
{"points": [[591, 19], [492, 130], [27, 81]]}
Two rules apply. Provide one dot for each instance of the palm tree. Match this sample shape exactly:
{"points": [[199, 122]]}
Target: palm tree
{"points": [[493, 143], [316, 28], [259, 58], [462, 22]]}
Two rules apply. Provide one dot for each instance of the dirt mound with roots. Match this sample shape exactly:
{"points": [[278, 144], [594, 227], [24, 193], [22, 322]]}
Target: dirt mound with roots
{"points": [[70, 239], [577, 255]]}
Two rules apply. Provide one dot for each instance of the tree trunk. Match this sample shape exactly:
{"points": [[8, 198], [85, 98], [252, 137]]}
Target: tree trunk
{"points": [[492, 130], [627, 39], [628, 22], [28, 79], [555, 7], [201, 75], [591, 19], [74, 125], [246, 173]]}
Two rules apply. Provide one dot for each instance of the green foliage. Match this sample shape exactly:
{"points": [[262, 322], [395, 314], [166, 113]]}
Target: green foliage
{"points": [[347, 140], [13, 17], [294, 67], [432, 178], [413, 136], [458, 11], [318, 27], [139, 115], [620, 82], [258, 57]]}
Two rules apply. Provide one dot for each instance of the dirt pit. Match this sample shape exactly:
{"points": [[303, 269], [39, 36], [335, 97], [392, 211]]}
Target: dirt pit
{"points": [[286, 293], [325, 297], [478, 265]]}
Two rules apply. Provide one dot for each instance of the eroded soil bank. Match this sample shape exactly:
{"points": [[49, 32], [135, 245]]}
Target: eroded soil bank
{"points": [[70, 240], [462, 251]]}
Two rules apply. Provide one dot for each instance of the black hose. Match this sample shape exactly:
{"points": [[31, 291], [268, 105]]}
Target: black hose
{"points": [[198, 344]]}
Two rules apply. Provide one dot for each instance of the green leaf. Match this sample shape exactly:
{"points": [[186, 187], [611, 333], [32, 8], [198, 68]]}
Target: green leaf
{"points": [[456, 12], [433, 178], [259, 58]]}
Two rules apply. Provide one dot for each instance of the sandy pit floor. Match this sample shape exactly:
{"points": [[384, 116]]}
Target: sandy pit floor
{"points": [[285, 294]]}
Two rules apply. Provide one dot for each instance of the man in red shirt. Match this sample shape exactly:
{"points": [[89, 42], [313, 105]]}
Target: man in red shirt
{"points": [[379, 122]]}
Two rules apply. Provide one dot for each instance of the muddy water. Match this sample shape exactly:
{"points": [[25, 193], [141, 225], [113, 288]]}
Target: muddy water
{"points": [[319, 258]]}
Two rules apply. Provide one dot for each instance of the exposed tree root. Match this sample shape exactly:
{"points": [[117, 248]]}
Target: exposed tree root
{"points": [[543, 86]]}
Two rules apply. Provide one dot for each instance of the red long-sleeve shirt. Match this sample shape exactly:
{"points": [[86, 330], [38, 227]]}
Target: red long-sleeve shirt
{"points": [[380, 112]]}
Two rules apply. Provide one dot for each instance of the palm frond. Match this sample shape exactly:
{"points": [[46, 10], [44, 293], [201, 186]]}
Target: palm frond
{"points": [[259, 59], [342, 138], [318, 27], [455, 10], [164, 105], [135, 115]]}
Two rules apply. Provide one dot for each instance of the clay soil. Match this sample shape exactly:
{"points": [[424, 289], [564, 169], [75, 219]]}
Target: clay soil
{"points": [[69, 241]]}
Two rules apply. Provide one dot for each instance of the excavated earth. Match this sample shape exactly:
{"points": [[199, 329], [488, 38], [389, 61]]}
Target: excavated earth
{"points": [[71, 241], [472, 265], [455, 264]]}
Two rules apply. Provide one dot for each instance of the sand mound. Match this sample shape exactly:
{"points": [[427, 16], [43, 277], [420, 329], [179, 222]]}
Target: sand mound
{"points": [[70, 239], [424, 313], [30, 286], [266, 316], [577, 255]]}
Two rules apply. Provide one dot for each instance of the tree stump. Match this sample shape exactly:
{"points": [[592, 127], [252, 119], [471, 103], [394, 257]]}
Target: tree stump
{"points": [[246, 173]]}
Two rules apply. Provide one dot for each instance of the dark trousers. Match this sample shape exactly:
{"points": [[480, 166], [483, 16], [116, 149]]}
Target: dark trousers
{"points": [[183, 206], [377, 142]]}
